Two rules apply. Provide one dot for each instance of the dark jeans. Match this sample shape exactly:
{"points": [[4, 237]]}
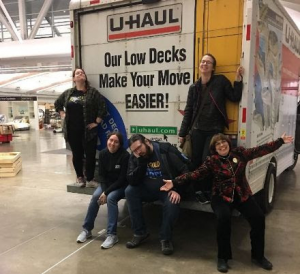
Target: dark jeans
{"points": [[253, 214], [136, 195], [80, 148], [200, 143]]}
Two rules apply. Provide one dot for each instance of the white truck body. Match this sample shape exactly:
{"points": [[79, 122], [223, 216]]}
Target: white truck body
{"points": [[143, 58]]}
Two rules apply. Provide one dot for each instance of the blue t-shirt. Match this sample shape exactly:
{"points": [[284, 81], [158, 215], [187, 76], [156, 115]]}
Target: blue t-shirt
{"points": [[153, 167], [154, 176]]}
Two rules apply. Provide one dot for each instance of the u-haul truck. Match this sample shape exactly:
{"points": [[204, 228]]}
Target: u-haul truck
{"points": [[143, 56]]}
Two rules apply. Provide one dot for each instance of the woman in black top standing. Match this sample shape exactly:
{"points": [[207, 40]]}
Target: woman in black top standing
{"points": [[83, 108], [205, 112]]}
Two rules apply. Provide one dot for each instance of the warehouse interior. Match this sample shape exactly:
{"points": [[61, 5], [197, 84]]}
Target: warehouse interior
{"points": [[40, 220]]}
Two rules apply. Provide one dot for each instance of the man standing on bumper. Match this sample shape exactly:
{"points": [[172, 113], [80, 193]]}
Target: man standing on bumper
{"points": [[150, 163]]}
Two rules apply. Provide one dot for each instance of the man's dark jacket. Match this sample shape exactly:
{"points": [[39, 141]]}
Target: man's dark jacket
{"points": [[171, 164]]}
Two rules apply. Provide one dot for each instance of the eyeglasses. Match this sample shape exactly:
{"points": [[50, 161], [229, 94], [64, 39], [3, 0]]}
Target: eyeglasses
{"points": [[206, 62], [137, 149], [221, 142], [79, 72]]}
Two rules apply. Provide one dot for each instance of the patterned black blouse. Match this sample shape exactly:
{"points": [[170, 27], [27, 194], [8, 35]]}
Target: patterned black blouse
{"points": [[229, 172]]}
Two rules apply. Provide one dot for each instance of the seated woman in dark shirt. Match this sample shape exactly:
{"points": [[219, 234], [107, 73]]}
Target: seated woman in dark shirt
{"points": [[113, 162]]}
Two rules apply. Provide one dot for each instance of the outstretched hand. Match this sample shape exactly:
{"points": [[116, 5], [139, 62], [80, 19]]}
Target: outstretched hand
{"points": [[287, 139], [167, 186]]}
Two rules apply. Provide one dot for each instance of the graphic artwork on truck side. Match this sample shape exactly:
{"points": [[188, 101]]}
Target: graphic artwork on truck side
{"points": [[148, 22], [112, 122]]}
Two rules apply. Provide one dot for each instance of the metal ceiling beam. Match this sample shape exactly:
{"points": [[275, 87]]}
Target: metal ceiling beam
{"points": [[22, 17], [45, 8], [8, 27], [54, 28], [40, 97], [9, 24], [291, 4]]}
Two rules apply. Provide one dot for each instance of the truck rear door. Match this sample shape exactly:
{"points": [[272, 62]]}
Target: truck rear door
{"points": [[141, 58]]}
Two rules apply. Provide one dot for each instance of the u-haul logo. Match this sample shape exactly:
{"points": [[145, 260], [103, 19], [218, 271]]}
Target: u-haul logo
{"points": [[150, 22]]}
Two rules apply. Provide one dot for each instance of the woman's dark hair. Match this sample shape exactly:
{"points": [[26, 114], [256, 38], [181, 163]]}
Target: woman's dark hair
{"points": [[136, 137], [87, 83], [216, 138], [214, 60], [119, 135]]}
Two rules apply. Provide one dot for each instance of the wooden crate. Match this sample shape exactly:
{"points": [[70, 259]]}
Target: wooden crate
{"points": [[9, 157], [10, 164]]}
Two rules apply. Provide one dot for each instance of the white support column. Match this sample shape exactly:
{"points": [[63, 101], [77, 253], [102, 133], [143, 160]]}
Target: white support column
{"points": [[23, 21], [39, 19], [12, 28]]}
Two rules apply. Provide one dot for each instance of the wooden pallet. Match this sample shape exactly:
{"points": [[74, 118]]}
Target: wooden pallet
{"points": [[9, 157], [10, 164]]}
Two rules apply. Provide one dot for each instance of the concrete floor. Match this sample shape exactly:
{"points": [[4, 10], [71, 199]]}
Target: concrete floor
{"points": [[40, 222]]}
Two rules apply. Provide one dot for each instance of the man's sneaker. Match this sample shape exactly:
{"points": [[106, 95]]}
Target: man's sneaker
{"points": [[137, 240], [263, 263], [202, 198], [83, 236], [110, 241], [92, 183], [80, 182], [166, 247], [222, 266]]}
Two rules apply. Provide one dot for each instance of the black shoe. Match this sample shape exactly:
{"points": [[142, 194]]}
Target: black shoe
{"points": [[137, 240], [166, 247], [263, 263], [202, 198], [222, 265]]}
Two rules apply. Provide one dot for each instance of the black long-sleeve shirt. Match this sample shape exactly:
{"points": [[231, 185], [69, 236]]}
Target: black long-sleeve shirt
{"points": [[113, 169], [228, 173]]}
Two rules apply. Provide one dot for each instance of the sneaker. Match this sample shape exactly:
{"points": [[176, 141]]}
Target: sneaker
{"points": [[83, 236], [92, 183], [110, 241], [202, 198], [137, 240], [263, 263], [80, 182], [222, 266], [166, 247]]}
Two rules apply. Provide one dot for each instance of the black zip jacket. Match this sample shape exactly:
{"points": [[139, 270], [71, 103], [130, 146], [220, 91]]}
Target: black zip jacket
{"points": [[220, 89], [171, 164]]}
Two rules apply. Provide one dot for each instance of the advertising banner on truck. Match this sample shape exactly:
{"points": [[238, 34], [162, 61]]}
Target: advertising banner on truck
{"points": [[141, 58], [276, 77]]}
